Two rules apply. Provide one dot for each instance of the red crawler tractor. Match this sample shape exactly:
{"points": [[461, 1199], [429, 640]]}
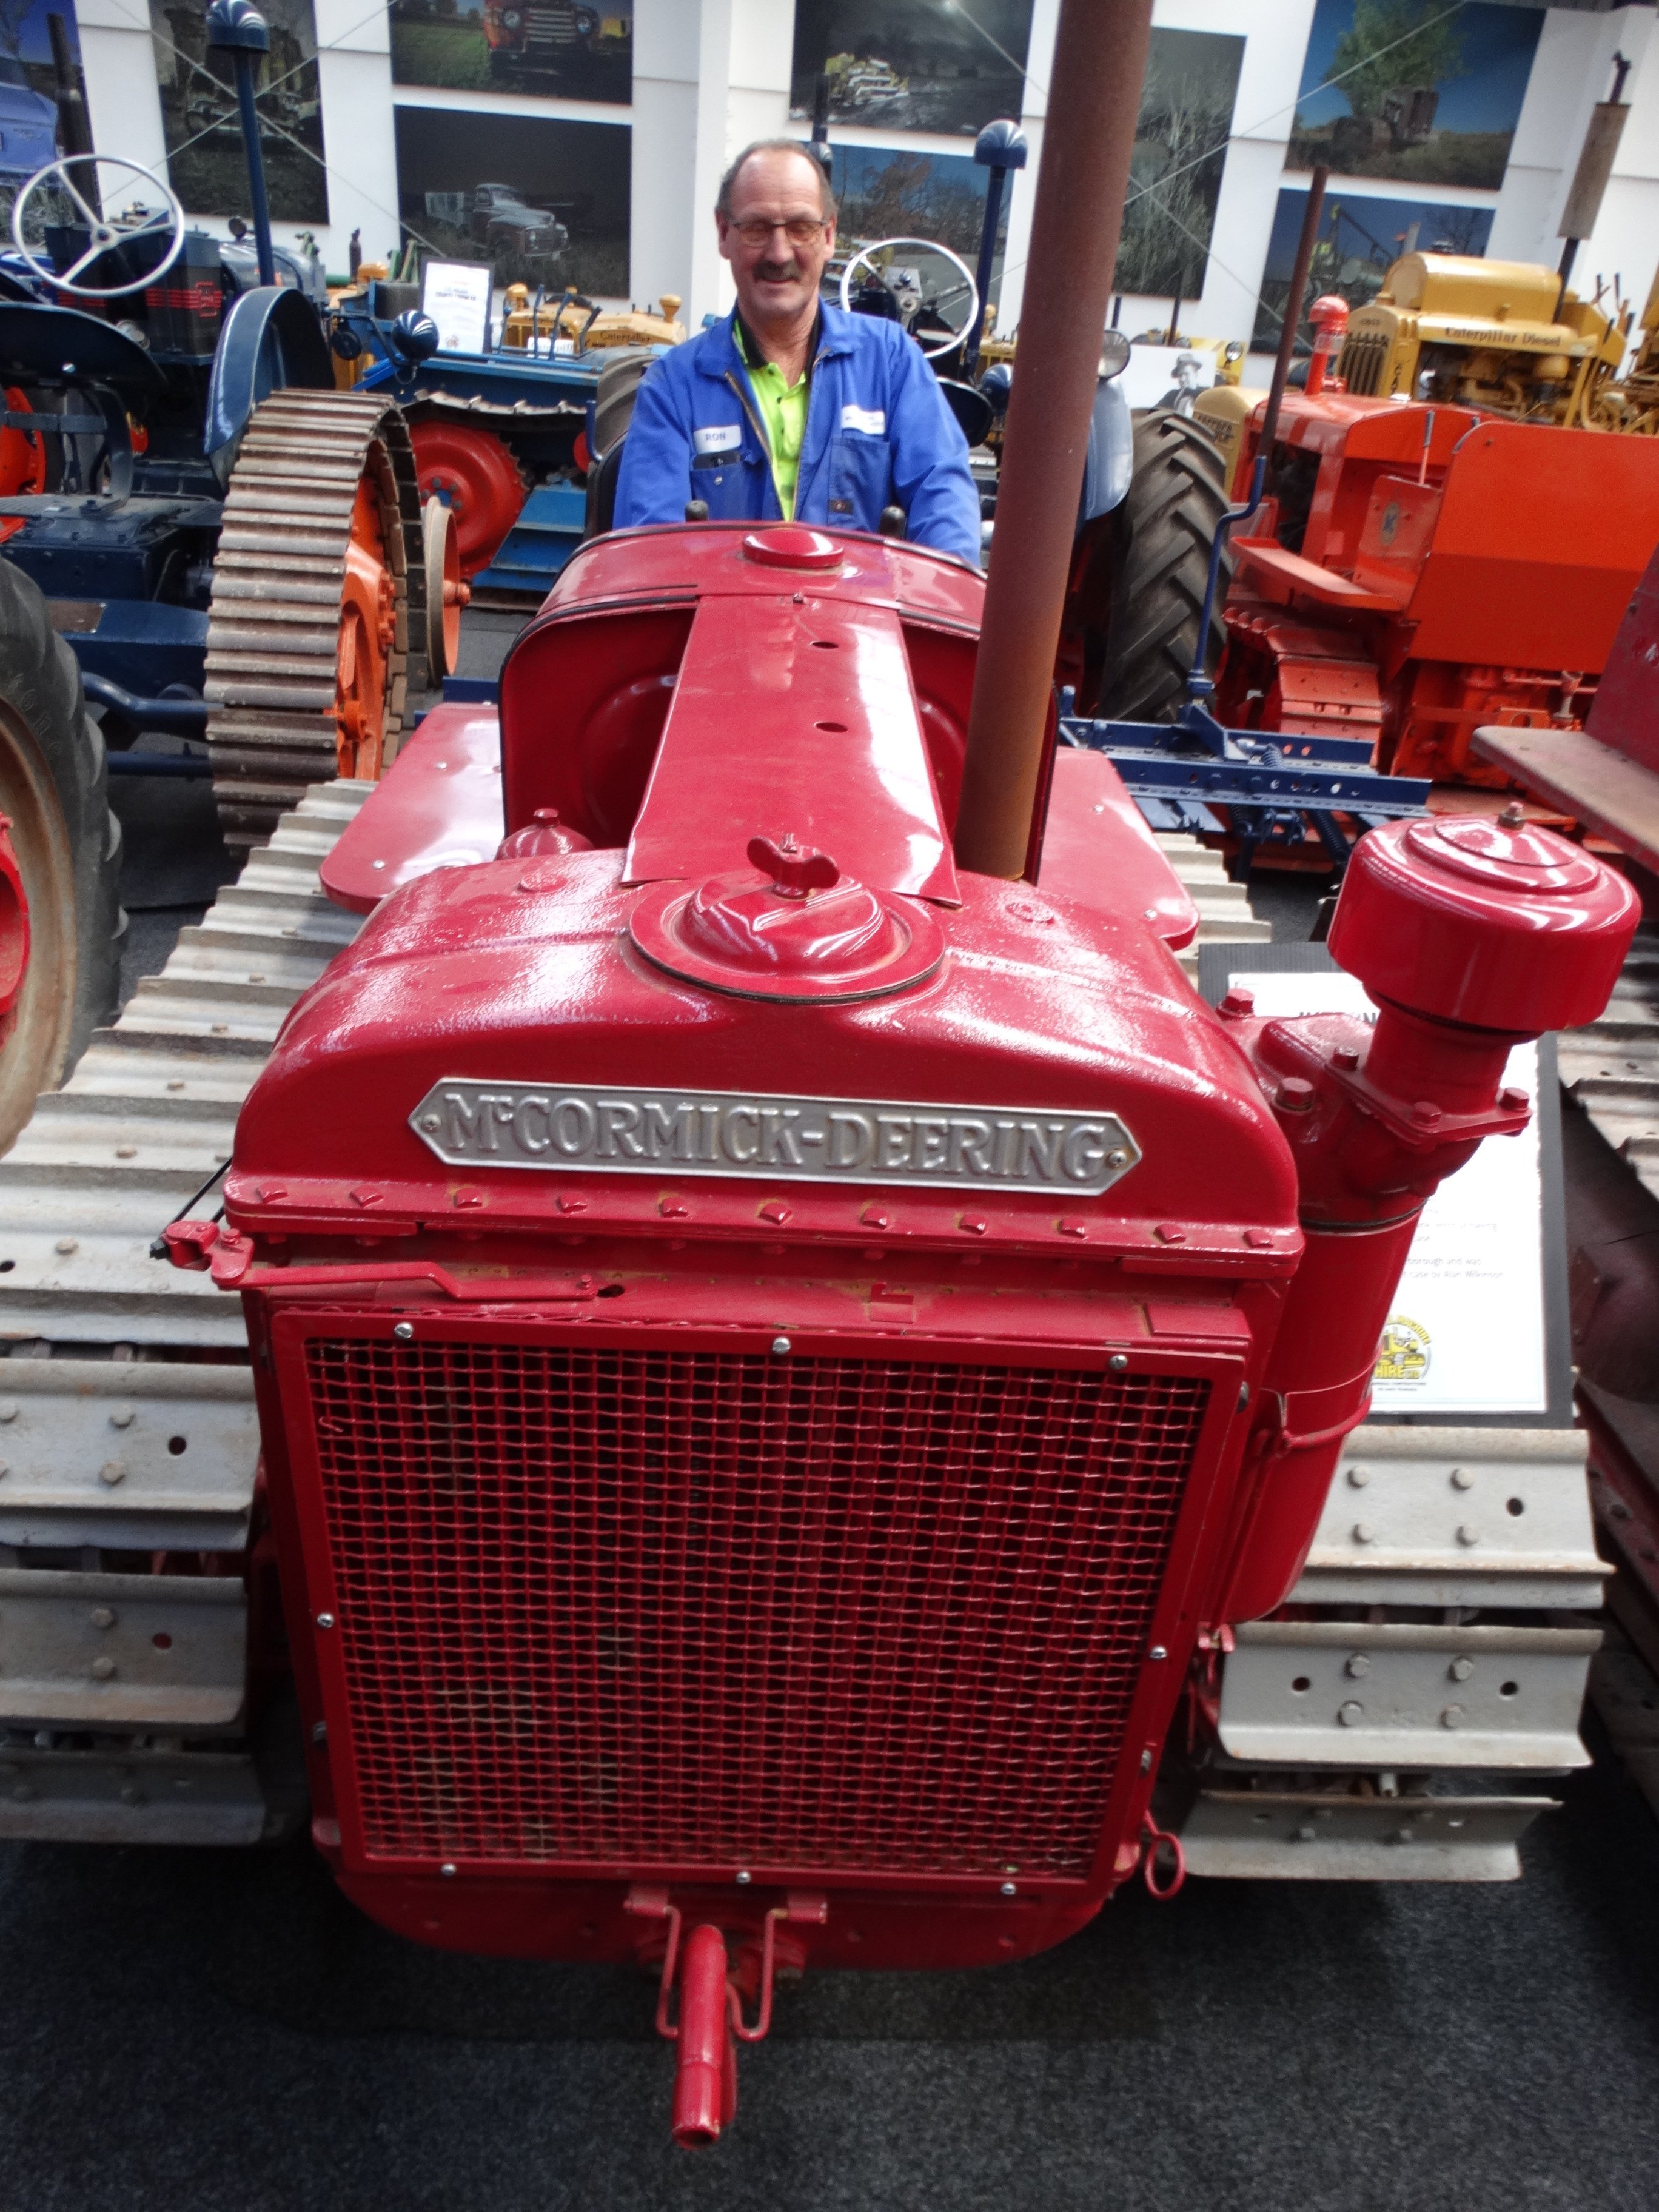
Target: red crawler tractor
{"points": [[781, 1325], [1419, 570], [785, 1337], [775, 1348]]}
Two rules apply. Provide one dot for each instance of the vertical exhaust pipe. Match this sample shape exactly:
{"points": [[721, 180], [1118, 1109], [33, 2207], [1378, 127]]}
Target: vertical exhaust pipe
{"points": [[1100, 58]]}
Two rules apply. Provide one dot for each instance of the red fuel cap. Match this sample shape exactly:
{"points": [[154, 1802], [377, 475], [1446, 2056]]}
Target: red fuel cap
{"points": [[1513, 856], [1498, 923], [795, 930], [542, 834], [792, 545]]}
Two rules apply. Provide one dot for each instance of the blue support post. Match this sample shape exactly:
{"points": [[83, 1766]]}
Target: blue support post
{"points": [[237, 28], [999, 148]]}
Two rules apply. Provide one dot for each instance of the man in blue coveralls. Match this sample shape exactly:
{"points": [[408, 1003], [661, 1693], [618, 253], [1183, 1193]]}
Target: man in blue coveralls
{"points": [[791, 408]]}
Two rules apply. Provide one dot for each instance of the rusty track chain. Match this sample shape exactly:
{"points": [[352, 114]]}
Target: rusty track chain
{"points": [[278, 580]]}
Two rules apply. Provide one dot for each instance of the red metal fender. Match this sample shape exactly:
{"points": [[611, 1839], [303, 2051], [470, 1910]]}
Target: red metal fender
{"points": [[438, 805]]}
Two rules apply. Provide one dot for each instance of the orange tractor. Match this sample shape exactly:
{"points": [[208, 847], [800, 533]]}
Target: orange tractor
{"points": [[1417, 569]]}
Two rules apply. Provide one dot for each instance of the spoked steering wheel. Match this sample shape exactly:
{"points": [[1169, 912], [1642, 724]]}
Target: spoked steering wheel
{"points": [[52, 197], [966, 290]]}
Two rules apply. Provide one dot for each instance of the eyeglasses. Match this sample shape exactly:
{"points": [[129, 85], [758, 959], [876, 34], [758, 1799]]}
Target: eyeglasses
{"points": [[801, 229]]}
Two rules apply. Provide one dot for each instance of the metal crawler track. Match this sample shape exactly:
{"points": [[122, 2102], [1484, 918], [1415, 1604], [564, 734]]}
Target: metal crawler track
{"points": [[278, 581], [1224, 907], [1443, 1628], [129, 1441], [1612, 1066]]}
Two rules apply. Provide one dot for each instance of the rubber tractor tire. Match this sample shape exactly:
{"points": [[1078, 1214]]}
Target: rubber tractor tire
{"points": [[54, 793], [1177, 495]]}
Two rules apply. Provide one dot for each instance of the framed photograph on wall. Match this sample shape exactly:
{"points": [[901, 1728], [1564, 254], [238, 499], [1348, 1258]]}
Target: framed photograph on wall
{"points": [[541, 200], [1415, 90], [910, 65], [881, 192], [1181, 149], [560, 52], [206, 159], [29, 86], [1359, 238]]}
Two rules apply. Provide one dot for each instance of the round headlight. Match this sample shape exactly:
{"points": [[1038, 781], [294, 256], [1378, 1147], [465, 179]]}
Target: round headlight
{"points": [[1114, 353], [512, 18]]}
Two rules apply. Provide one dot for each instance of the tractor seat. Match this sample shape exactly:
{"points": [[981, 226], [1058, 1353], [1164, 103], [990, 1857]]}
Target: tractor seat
{"points": [[602, 492]]}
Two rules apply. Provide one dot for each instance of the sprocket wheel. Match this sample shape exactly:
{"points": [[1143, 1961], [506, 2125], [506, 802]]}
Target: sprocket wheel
{"points": [[475, 475], [318, 588]]}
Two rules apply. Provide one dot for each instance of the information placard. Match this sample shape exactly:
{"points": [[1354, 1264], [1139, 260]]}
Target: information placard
{"points": [[457, 296]]}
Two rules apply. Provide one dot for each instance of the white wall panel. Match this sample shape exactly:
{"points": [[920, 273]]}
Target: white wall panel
{"points": [[710, 75], [666, 53], [356, 83], [124, 103]]}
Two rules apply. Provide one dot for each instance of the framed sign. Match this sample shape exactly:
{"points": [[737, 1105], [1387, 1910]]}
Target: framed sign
{"points": [[457, 295]]}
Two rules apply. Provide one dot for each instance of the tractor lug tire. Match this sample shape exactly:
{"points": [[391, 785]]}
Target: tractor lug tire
{"points": [[54, 790], [1177, 495]]}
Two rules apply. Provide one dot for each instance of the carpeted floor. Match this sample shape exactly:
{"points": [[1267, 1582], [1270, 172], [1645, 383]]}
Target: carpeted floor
{"points": [[223, 2033]]}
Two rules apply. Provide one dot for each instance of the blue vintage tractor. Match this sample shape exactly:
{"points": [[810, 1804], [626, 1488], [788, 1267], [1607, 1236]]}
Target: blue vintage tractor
{"points": [[509, 420], [202, 506], [200, 534]]}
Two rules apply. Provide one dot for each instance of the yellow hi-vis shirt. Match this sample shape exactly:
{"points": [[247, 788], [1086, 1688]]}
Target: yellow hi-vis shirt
{"points": [[783, 411]]}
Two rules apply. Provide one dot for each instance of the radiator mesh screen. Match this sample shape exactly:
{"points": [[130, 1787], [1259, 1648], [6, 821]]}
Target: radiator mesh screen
{"points": [[706, 1607]]}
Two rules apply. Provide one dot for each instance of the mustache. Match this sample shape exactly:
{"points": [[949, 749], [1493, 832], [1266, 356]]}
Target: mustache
{"points": [[777, 272]]}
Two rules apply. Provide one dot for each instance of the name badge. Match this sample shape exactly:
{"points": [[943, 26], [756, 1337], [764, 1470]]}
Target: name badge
{"points": [[723, 1133], [872, 421], [718, 438]]}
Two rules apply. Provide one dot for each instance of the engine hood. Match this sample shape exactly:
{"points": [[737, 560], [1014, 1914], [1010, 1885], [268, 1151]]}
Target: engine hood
{"points": [[1051, 1074]]}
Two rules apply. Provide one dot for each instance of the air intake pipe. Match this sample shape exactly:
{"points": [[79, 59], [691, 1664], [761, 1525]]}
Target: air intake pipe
{"points": [[1472, 936]]}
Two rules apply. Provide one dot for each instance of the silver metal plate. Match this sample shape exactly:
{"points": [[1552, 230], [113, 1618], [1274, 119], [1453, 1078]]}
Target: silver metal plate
{"points": [[1308, 1835], [1448, 1516], [1345, 1694], [121, 1651], [726, 1133], [203, 1797], [151, 1109], [126, 1455]]}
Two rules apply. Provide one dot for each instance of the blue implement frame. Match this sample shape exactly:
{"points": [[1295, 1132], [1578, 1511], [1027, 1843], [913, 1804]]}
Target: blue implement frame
{"points": [[1272, 786]]}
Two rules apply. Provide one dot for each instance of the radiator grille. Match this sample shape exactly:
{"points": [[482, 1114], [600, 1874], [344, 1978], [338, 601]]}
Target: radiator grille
{"points": [[551, 26], [700, 1607], [1361, 362]]}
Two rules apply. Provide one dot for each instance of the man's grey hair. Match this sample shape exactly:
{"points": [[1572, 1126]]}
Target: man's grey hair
{"points": [[826, 198]]}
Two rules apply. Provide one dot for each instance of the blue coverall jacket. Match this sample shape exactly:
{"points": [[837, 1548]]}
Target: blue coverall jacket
{"points": [[878, 434]]}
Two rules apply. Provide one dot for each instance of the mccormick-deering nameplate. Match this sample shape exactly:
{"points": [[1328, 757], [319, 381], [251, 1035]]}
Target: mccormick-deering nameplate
{"points": [[729, 1133]]}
